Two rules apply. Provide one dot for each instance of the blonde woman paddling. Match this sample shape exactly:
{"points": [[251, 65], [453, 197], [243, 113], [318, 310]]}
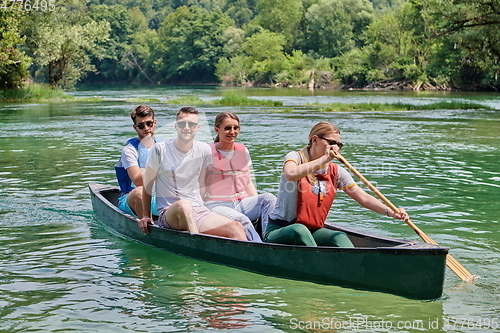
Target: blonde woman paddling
{"points": [[308, 185]]}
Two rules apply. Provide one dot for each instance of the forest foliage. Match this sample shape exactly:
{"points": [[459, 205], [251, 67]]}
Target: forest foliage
{"points": [[392, 44]]}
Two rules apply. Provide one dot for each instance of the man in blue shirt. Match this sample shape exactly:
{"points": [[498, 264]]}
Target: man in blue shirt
{"points": [[133, 161]]}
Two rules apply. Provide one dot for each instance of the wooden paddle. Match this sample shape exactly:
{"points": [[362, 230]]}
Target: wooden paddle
{"points": [[451, 262]]}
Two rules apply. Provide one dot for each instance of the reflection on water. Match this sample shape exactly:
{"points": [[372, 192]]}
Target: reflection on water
{"points": [[61, 271]]}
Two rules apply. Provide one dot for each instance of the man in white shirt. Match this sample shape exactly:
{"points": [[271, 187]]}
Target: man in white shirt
{"points": [[179, 166]]}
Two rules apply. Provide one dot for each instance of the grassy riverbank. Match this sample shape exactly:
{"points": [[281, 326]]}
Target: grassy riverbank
{"points": [[32, 92], [40, 93], [44, 93], [234, 99], [399, 106], [229, 99]]}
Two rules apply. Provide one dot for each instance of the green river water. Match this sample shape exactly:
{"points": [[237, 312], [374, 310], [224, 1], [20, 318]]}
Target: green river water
{"points": [[61, 271]]}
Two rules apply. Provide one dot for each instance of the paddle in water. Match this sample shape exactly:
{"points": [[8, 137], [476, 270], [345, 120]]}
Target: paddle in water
{"points": [[451, 262]]}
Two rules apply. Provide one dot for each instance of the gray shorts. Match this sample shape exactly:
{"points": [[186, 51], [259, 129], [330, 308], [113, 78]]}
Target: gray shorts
{"points": [[200, 214]]}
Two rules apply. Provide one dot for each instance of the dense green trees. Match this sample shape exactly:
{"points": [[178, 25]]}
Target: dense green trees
{"points": [[416, 44], [62, 42], [280, 16], [136, 59], [259, 60], [470, 36], [241, 11], [120, 31], [394, 50], [190, 42], [13, 62], [334, 27]]}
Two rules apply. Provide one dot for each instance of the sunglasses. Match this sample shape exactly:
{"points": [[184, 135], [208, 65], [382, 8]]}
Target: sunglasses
{"points": [[332, 142], [147, 123], [228, 128], [183, 124]]}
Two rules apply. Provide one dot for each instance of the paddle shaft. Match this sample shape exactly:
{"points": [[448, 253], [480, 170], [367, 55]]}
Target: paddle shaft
{"points": [[451, 262]]}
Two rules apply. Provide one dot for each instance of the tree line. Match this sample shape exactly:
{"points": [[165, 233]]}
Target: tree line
{"points": [[393, 44]]}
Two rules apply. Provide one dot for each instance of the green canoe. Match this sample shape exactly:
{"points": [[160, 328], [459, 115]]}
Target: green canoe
{"points": [[408, 268]]}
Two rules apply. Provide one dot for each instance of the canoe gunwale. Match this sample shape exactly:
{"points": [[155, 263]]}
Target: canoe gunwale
{"points": [[424, 283], [404, 246]]}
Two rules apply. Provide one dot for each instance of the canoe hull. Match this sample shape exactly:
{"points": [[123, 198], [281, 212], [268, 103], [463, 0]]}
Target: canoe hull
{"points": [[401, 267]]}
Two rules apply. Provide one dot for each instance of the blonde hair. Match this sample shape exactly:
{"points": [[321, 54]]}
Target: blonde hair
{"points": [[320, 129]]}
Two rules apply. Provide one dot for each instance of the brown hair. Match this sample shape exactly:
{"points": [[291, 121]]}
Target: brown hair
{"points": [[142, 111], [220, 118], [186, 109], [320, 129]]}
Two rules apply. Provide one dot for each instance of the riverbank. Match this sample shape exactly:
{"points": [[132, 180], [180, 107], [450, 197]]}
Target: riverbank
{"points": [[43, 93], [325, 83], [39, 93]]}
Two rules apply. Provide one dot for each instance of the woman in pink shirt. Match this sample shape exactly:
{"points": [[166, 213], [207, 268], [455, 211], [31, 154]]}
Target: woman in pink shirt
{"points": [[229, 188]]}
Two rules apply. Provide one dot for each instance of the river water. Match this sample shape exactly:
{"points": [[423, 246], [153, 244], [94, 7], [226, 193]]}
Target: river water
{"points": [[61, 271]]}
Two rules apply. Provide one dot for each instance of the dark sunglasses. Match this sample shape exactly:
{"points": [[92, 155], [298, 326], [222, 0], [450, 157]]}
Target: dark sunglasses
{"points": [[228, 128], [183, 124], [147, 123], [332, 142]]}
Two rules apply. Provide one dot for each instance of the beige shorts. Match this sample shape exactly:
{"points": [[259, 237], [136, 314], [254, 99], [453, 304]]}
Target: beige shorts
{"points": [[200, 215]]}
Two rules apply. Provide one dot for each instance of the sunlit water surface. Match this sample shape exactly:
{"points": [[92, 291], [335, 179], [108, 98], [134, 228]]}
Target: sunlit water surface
{"points": [[61, 271]]}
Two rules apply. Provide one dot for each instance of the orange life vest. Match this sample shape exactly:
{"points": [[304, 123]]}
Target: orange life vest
{"points": [[228, 178], [315, 200]]}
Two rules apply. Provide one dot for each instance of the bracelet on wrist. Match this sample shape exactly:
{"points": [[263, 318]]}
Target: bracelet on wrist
{"points": [[387, 211]]}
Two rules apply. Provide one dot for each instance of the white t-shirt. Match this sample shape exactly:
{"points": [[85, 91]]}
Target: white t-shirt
{"points": [[133, 157], [130, 156], [286, 204], [177, 173]]}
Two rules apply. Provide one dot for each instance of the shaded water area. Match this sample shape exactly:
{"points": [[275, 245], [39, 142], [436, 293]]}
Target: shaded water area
{"points": [[61, 271]]}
